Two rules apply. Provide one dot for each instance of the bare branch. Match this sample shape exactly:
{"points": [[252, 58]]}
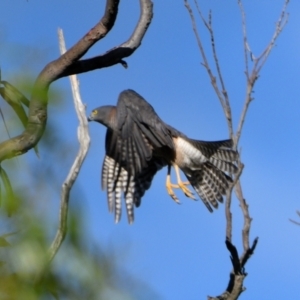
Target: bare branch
{"points": [[205, 64], [247, 220], [221, 92], [247, 254], [64, 66], [228, 202], [248, 99], [282, 21], [245, 39], [236, 279], [237, 275], [84, 142], [258, 62]]}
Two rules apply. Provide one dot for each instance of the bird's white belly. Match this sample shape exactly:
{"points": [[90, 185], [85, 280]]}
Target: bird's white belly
{"points": [[187, 155]]}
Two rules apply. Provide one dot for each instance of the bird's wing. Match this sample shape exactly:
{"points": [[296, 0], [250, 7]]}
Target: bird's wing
{"points": [[144, 179], [116, 181], [134, 109]]}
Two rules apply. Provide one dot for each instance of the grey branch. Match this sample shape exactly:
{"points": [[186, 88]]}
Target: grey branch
{"points": [[237, 275], [228, 202], [116, 54], [220, 91], [259, 61], [69, 64], [84, 142]]}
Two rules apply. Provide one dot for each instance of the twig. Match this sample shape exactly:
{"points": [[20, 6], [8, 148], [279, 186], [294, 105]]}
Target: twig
{"points": [[205, 61], [247, 219], [245, 39], [282, 21], [221, 92], [226, 108], [228, 202], [84, 142], [258, 62]]}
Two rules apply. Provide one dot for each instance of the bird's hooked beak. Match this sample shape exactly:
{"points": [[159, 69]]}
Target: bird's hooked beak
{"points": [[90, 118]]}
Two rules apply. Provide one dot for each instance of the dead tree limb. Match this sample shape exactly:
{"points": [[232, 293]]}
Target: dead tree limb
{"points": [[220, 91], [258, 62], [235, 286]]}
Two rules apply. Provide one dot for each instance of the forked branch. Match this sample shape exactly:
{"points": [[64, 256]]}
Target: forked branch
{"points": [[257, 61], [237, 275]]}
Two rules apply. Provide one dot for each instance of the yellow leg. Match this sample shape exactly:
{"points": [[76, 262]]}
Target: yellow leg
{"points": [[170, 186], [182, 185]]}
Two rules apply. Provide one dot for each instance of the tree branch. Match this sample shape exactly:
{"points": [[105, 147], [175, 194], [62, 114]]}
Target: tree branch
{"points": [[237, 275], [116, 54], [64, 66], [258, 62], [84, 142], [228, 202], [221, 92]]}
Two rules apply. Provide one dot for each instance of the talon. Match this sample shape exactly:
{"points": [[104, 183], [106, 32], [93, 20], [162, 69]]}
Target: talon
{"points": [[169, 187], [187, 192], [180, 185]]}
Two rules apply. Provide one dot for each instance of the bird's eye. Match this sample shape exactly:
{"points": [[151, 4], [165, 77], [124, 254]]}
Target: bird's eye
{"points": [[94, 112]]}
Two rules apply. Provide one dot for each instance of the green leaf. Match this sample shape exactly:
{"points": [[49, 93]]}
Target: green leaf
{"points": [[10, 203], [15, 99], [13, 94]]}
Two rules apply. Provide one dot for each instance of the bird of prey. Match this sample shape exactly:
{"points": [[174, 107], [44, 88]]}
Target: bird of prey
{"points": [[138, 144]]}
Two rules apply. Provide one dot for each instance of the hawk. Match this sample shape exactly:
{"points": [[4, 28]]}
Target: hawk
{"points": [[138, 144]]}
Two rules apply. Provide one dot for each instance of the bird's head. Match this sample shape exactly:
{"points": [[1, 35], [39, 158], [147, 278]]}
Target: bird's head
{"points": [[104, 115]]}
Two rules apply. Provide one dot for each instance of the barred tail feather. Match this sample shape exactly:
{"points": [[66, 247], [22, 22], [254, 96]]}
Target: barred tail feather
{"points": [[118, 201], [118, 182], [210, 183], [110, 184], [129, 194], [219, 150], [223, 165]]}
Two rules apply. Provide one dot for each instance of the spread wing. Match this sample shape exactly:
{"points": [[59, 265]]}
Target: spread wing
{"points": [[117, 181], [140, 131], [129, 165]]}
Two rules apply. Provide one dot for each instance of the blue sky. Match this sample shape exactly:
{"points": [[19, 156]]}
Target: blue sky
{"points": [[178, 250]]}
